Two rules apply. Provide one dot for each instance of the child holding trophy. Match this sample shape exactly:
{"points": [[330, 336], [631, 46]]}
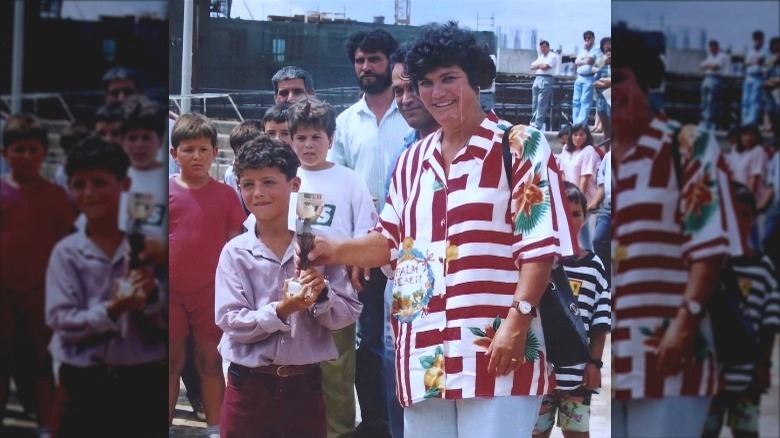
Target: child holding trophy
{"points": [[107, 313], [275, 339]]}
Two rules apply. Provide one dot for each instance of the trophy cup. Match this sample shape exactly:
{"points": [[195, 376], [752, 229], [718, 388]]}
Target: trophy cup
{"points": [[139, 208], [308, 209]]}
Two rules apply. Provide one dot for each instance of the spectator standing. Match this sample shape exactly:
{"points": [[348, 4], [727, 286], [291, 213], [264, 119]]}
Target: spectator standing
{"points": [[752, 87], [541, 91], [582, 98], [714, 66]]}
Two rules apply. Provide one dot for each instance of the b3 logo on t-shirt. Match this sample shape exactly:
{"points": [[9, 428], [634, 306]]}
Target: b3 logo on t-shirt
{"points": [[326, 217], [156, 216]]}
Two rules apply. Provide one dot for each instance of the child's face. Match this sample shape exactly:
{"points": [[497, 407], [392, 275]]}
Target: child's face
{"points": [[141, 146], [564, 139], [266, 192], [311, 145], [109, 131], [194, 156], [748, 139], [578, 139], [576, 215], [25, 158], [278, 131], [745, 218], [96, 193]]}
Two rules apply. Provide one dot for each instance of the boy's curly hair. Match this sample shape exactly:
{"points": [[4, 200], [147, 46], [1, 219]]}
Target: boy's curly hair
{"points": [[95, 153], [265, 151], [445, 45], [312, 113]]}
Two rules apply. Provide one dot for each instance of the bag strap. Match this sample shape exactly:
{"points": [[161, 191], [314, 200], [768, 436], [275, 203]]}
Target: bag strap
{"points": [[676, 159], [507, 157]]}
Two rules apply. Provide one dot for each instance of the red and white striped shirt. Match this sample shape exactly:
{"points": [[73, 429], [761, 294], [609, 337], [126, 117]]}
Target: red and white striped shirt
{"points": [[658, 231], [456, 259]]}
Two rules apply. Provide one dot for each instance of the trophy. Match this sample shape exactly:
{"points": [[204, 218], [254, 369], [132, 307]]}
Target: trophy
{"points": [[308, 209], [139, 208]]}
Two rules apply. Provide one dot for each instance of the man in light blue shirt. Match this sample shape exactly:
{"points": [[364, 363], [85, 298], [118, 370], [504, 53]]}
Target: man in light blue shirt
{"points": [[752, 88], [583, 85]]}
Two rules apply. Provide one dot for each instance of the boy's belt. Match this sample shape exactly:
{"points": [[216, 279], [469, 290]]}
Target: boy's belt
{"points": [[278, 370]]}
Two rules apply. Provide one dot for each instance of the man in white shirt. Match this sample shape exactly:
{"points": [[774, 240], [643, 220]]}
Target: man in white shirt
{"points": [[541, 91], [752, 87], [368, 135], [713, 66], [583, 85]]}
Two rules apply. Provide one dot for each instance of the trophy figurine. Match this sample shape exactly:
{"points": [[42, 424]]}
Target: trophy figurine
{"points": [[139, 208], [308, 209]]}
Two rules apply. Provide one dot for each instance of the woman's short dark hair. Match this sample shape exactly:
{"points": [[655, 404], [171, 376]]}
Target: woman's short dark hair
{"points": [[445, 45], [579, 127], [638, 55]]}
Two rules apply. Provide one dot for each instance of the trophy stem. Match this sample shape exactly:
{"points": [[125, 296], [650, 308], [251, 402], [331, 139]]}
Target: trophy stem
{"points": [[305, 242]]}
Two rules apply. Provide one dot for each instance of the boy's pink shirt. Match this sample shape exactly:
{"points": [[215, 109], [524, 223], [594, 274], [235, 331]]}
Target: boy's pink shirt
{"points": [[201, 222], [32, 219]]}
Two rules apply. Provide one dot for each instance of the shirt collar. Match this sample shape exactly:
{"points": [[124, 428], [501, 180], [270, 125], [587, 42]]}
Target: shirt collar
{"points": [[87, 248], [250, 242], [479, 144], [362, 106]]}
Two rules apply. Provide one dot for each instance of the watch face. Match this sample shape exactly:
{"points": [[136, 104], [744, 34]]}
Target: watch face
{"points": [[694, 307], [525, 307]]}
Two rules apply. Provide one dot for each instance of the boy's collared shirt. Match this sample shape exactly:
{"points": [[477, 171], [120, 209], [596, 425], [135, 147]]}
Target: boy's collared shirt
{"points": [[249, 285], [80, 283]]}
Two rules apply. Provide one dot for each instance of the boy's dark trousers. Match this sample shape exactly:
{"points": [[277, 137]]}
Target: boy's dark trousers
{"points": [[265, 405], [115, 401]]}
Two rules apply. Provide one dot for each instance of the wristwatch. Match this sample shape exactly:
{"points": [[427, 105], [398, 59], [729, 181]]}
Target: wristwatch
{"points": [[693, 307], [524, 307], [596, 362]]}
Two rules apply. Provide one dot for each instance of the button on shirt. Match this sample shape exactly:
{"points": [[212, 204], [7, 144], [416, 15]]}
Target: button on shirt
{"points": [[550, 59], [80, 283], [456, 260], [367, 148]]}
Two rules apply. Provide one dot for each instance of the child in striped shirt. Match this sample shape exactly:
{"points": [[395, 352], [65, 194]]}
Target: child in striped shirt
{"points": [[759, 299], [575, 385]]}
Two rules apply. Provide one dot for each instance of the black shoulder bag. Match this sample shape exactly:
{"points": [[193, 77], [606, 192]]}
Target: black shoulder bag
{"points": [[565, 339], [736, 341]]}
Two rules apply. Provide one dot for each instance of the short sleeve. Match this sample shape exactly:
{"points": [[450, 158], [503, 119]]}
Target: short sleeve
{"points": [[539, 220]]}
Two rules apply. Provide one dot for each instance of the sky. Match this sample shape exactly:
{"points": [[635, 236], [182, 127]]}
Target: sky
{"points": [[561, 22], [91, 10], [729, 22]]}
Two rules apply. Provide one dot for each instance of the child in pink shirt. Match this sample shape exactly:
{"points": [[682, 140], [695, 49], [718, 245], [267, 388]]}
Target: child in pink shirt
{"points": [[204, 215]]}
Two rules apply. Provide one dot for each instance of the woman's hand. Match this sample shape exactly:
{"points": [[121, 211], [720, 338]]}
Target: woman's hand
{"points": [[507, 350], [676, 345]]}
